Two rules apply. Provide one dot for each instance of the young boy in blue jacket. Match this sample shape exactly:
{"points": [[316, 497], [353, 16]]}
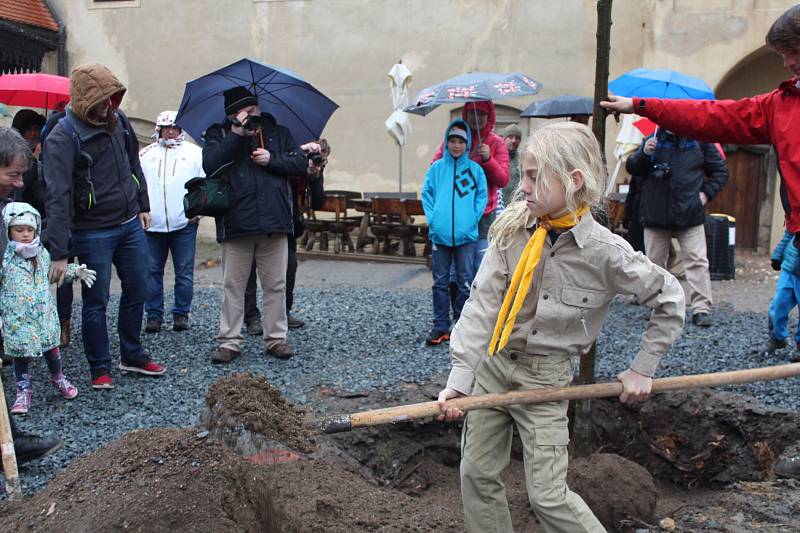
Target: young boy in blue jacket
{"points": [[787, 294], [454, 197]]}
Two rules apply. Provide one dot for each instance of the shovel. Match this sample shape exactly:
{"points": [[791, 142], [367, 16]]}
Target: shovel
{"points": [[404, 413]]}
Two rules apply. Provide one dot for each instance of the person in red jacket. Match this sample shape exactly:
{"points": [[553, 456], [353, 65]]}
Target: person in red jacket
{"points": [[763, 119], [490, 152]]}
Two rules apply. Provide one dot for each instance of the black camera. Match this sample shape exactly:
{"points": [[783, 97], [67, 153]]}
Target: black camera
{"points": [[661, 171], [316, 158], [251, 122]]}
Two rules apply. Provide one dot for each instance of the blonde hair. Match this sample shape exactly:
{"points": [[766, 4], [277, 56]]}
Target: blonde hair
{"points": [[558, 148]]}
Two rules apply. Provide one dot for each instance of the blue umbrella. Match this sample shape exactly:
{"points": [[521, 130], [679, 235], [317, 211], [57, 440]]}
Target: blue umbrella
{"points": [[293, 102], [473, 87], [663, 83], [565, 105]]}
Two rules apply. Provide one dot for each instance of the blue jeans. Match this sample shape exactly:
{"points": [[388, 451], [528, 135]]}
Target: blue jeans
{"points": [[181, 244], [124, 247], [441, 257], [786, 298], [483, 238]]}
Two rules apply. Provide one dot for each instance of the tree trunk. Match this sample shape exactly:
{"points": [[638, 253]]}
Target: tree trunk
{"points": [[601, 70]]}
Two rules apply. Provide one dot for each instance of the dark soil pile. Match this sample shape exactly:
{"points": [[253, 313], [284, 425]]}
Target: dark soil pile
{"points": [[614, 488], [769, 507], [251, 401], [697, 438], [151, 480], [324, 495]]}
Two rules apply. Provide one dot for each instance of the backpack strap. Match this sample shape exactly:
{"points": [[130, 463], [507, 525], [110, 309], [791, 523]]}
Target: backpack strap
{"points": [[80, 153]]}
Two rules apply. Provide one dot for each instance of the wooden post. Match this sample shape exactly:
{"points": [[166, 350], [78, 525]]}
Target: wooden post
{"points": [[581, 435], [581, 424], [10, 473], [601, 70]]}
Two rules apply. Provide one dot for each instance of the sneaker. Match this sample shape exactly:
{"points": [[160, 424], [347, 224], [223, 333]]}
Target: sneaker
{"points": [[255, 328], [153, 325], [281, 351], [180, 323], [101, 379], [295, 323], [701, 320], [148, 368], [29, 447], [773, 345], [224, 355], [23, 402], [437, 337], [67, 389]]}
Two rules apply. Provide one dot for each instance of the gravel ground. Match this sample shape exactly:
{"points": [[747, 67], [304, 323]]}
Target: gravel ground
{"points": [[355, 339]]}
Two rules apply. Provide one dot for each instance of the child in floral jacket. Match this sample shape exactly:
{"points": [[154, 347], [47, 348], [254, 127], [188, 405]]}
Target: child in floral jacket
{"points": [[29, 319]]}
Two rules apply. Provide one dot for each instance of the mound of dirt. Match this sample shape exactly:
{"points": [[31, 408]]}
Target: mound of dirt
{"points": [[250, 402], [697, 438], [614, 488], [151, 480]]}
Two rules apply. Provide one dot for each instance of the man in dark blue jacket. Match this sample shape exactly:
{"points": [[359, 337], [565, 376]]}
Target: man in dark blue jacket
{"points": [[257, 156], [97, 209], [677, 177]]}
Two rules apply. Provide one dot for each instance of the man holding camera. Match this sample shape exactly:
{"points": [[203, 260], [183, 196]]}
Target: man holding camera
{"points": [[307, 193], [673, 191], [258, 156]]}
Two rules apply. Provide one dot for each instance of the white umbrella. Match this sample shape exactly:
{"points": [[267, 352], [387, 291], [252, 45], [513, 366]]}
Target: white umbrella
{"points": [[628, 140], [397, 124]]}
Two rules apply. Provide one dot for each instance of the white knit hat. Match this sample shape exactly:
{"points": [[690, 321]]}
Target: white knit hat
{"points": [[25, 219]]}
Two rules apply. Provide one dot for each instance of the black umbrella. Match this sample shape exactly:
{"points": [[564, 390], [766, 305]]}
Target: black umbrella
{"points": [[566, 105]]}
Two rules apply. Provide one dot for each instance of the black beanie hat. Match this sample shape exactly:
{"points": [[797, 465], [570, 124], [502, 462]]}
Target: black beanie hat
{"points": [[237, 98]]}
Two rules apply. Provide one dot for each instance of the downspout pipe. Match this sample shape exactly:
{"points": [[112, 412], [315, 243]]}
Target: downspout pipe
{"points": [[61, 51]]}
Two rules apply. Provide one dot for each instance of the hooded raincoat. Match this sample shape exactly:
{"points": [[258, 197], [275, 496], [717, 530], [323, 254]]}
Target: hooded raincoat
{"points": [[497, 167], [168, 168], [113, 189], [454, 196], [28, 310]]}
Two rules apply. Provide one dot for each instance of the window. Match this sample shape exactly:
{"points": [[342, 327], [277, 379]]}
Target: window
{"points": [[105, 4]]}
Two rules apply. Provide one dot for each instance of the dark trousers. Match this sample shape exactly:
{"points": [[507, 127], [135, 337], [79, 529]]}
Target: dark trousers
{"points": [[442, 257], [181, 245], [64, 298], [124, 247], [251, 311]]}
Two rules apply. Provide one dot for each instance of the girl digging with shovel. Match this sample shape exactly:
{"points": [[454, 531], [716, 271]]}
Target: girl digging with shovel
{"points": [[540, 297]]}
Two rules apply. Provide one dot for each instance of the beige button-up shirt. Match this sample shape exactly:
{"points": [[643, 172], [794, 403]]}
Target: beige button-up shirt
{"points": [[572, 288]]}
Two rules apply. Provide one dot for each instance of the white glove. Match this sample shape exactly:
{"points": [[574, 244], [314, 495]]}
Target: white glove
{"points": [[87, 276]]}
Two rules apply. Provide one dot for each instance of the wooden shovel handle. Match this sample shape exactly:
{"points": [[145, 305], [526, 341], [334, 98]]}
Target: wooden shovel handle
{"points": [[10, 472], [403, 413]]}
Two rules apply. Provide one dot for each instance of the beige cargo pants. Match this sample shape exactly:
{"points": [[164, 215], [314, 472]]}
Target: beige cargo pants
{"points": [[486, 449]]}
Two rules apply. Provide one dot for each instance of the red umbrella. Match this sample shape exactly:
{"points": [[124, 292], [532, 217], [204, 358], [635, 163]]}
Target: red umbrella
{"points": [[44, 91], [645, 125]]}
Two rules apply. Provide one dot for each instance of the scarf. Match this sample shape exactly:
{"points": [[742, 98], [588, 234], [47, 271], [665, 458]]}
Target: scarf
{"points": [[523, 275], [26, 249]]}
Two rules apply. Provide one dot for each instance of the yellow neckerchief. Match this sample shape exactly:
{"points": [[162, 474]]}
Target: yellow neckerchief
{"points": [[523, 274]]}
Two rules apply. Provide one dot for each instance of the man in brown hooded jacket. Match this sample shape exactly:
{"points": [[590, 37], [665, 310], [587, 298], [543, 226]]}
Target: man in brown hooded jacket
{"points": [[98, 209]]}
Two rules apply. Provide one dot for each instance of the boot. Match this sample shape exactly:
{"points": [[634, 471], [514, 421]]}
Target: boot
{"points": [[64, 333]]}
